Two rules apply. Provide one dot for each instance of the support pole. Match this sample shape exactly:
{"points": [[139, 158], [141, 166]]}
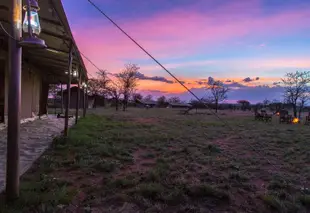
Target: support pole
{"points": [[55, 95], [43, 98], [62, 99], [84, 101], [68, 93], [78, 98], [14, 102]]}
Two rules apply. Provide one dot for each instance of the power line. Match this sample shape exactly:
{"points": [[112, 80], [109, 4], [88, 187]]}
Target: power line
{"points": [[162, 66], [6, 32], [96, 67], [172, 75]]}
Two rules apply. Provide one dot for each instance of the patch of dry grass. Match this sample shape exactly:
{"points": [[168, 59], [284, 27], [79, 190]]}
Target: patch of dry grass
{"points": [[159, 161]]}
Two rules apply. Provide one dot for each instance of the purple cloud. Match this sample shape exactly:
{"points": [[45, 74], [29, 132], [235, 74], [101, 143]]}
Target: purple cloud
{"points": [[248, 79], [253, 94], [141, 76]]}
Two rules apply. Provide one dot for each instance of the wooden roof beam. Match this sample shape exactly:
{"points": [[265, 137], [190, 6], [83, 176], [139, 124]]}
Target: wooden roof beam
{"points": [[50, 33]]}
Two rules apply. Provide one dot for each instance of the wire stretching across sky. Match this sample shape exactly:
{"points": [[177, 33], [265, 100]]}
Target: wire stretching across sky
{"points": [[172, 75], [162, 66]]}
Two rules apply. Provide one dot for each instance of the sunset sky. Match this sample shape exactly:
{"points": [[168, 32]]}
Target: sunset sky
{"points": [[249, 44]]}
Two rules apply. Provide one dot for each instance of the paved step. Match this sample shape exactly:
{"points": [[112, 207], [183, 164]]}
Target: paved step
{"points": [[35, 137]]}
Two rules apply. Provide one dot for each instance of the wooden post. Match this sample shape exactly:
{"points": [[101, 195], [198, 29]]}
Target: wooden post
{"points": [[2, 90], [68, 93], [84, 101], [55, 95], [78, 98], [62, 99], [14, 103], [43, 98]]}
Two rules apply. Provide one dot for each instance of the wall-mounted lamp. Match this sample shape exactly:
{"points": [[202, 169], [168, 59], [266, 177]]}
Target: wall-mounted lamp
{"points": [[75, 74], [84, 85], [31, 26]]}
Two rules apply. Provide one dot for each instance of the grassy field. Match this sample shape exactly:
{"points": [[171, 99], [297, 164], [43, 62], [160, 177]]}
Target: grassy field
{"points": [[159, 161]]}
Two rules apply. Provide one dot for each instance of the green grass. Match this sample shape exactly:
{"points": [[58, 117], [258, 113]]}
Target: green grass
{"points": [[158, 161]]}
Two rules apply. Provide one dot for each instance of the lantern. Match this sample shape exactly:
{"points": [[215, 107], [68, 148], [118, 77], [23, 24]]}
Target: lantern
{"points": [[31, 26], [75, 74]]}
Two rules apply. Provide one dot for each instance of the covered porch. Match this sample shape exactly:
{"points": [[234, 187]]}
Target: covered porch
{"points": [[40, 67], [60, 63]]}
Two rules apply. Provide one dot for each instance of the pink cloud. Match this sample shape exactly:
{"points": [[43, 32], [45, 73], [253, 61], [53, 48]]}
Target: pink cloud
{"points": [[181, 33], [262, 45]]}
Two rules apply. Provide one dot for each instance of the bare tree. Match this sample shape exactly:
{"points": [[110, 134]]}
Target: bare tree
{"points": [[128, 80], [218, 92], [301, 104], [148, 98], [266, 102], [174, 100], [162, 101], [137, 97], [296, 86], [53, 90], [115, 91], [103, 82], [94, 89], [276, 106]]}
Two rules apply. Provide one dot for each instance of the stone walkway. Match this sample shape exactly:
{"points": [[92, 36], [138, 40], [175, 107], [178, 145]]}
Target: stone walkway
{"points": [[35, 138]]}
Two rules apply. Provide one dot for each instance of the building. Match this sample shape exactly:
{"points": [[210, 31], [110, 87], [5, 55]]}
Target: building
{"points": [[73, 98], [146, 103], [179, 105], [40, 67]]}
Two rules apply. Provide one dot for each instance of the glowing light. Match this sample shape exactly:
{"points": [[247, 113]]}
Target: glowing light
{"points": [[32, 29], [295, 121], [84, 85], [75, 73], [34, 22], [53, 51]]}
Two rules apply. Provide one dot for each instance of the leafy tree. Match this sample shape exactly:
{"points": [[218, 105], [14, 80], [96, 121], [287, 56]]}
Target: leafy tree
{"points": [[244, 104], [128, 80], [162, 101], [218, 91], [296, 89]]}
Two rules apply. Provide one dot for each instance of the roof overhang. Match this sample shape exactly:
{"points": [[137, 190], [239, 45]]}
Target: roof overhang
{"points": [[58, 37]]}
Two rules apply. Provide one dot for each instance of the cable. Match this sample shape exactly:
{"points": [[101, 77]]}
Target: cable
{"points": [[162, 66], [95, 67], [6, 32], [172, 75]]}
